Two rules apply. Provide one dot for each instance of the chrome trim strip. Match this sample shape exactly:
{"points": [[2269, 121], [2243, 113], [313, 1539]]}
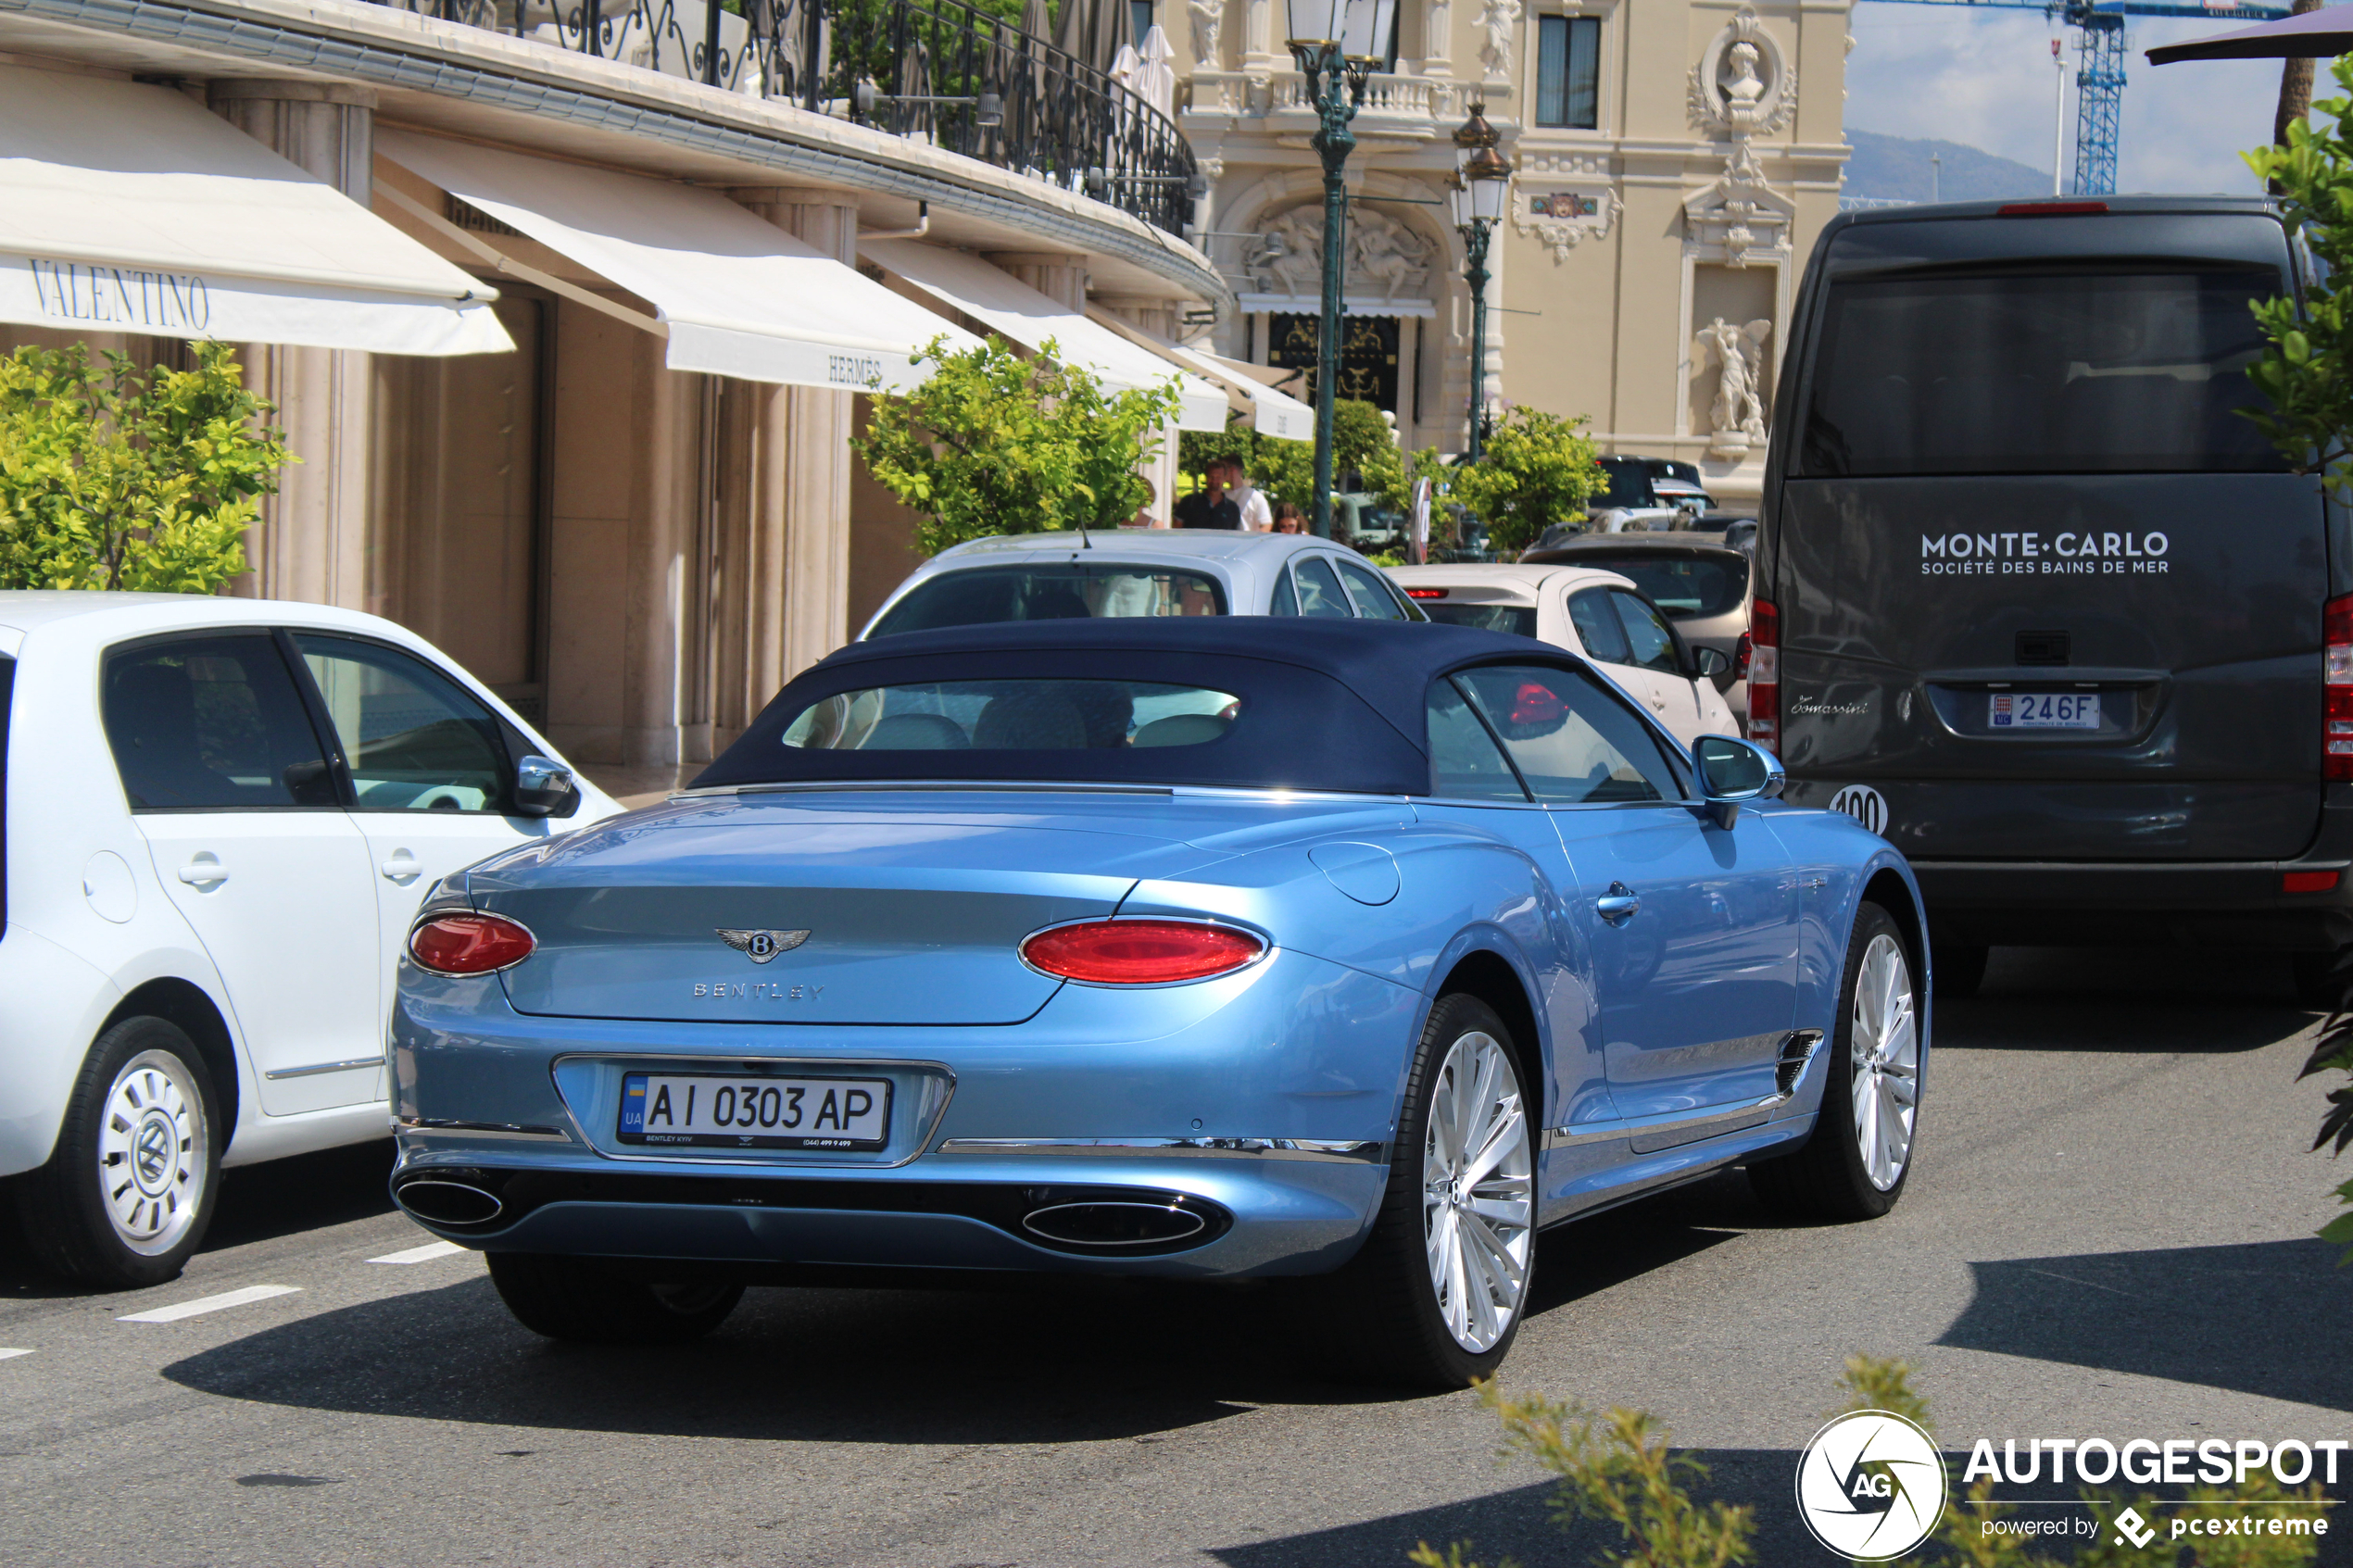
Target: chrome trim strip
{"points": [[1680, 1127], [1353, 1150], [821, 1067], [477, 1129], [354, 1065]]}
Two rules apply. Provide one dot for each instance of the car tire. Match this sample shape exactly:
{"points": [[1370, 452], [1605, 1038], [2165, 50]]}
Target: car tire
{"points": [[572, 1298], [1959, 969], [1430, 1300], [1854, 1165], [128, 1193]]}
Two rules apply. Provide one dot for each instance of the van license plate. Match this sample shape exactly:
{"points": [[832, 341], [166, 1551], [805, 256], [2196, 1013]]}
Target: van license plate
{"points": [[2044, 711], [699, 1113]]}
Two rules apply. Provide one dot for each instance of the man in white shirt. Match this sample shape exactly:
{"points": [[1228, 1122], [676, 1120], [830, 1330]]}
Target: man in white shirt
{"points": [[1257, 516]]}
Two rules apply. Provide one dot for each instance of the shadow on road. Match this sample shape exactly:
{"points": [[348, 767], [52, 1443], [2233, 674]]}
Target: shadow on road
{"points": [[2265, 1318], [1518, 1524], [258, 1203], [2152, 1000], [1014, 1359]]}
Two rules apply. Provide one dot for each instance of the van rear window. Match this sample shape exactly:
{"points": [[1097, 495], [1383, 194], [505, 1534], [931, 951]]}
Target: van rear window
{"points": [[2073, 372]]}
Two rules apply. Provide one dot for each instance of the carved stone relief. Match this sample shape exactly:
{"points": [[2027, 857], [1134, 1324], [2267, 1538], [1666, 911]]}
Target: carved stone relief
{"points": [[1742, 84], [1386, 259], [1500, 24]]}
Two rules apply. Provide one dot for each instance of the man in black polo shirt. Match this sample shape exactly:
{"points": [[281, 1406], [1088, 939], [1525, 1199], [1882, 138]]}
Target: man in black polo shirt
{"points": [[1210, 507]]}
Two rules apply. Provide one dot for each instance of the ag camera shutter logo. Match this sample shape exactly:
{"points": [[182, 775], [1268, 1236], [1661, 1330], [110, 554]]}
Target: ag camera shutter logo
{"points": [[1870, 1485]]}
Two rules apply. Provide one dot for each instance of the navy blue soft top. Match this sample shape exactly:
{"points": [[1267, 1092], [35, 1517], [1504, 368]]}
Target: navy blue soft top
{"points": [[1326, 705]]}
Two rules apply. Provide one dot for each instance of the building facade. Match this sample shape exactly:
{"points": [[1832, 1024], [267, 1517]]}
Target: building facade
{"points": [[1673, 161], [640, 513]]}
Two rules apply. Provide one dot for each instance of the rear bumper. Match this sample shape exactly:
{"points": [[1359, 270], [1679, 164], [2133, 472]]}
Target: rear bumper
{"points": [[2230, 904], [1249, 1216]]}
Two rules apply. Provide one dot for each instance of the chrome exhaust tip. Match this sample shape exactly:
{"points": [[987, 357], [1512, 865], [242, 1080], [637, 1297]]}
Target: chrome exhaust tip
{"points": [[1114, 1225], [446, 1202]]}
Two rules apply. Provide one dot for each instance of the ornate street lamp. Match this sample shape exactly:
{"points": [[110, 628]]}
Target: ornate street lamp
{"points": [[1482, 181], [1332, 38]]}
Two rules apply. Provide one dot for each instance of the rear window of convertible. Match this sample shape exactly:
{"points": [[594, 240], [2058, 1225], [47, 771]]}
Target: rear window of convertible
{"points": [[1019, 715], [1108, 715]]}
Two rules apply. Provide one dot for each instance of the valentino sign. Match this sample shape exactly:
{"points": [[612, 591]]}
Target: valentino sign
{"points": [[121, 296]]}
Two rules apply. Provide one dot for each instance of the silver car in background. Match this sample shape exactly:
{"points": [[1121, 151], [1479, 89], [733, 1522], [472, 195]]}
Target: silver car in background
{"points": [[1140, 572]]}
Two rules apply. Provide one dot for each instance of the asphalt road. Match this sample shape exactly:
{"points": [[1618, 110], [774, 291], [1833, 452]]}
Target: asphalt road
{"points": [[2108, 1234]]}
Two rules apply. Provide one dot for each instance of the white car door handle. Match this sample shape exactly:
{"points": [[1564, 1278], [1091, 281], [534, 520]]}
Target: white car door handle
{"points": [[400, 865], [204, 871]]}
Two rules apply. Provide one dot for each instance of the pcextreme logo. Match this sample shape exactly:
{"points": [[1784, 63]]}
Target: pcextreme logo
{"points": [[1870, 1485]]}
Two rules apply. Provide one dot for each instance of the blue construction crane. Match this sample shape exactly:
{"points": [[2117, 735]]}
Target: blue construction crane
{"points": [[2099, 79]]}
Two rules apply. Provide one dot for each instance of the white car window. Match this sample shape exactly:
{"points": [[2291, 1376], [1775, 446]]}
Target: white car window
{"points": [[1319, 591], [210, 722], [1374, 601], [415, 741]]}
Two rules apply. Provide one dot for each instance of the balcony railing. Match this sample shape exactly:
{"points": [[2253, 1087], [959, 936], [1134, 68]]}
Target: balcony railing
{"points": [[937, 70]]}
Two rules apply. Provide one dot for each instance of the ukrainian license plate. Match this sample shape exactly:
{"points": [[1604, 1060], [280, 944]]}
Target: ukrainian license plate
{"points": [[677, 1110], [2044, 711]]}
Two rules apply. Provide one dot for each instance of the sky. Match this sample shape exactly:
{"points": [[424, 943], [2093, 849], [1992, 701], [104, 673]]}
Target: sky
{"points": [[1983, 77]]}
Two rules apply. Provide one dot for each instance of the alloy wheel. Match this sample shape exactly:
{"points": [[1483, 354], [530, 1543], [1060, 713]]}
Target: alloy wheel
{"points": [[1479, 1192], [151, 1152], [1886, 1048]]}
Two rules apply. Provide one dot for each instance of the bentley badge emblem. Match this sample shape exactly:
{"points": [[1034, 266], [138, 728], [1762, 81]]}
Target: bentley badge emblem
{"points": [[762, 946]]}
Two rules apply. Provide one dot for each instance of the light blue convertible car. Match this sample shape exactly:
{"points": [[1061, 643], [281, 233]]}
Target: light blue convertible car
{"points": [[1357, 952]]}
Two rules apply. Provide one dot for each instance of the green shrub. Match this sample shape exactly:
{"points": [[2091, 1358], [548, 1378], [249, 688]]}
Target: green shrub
{"points": [[112, 477]]}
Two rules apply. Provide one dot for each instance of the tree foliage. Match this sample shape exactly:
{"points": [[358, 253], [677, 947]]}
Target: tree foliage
{"points": [[114, 477], [2306, 367], [1535, 471], [997, 444]]}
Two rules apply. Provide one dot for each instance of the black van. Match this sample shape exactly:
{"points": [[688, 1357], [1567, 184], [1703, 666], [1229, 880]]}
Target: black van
{"points": [[2035, 603]]}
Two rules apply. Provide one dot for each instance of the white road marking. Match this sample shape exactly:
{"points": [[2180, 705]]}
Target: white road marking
{"points": [[212, 1303], [424, 1254], [6, 1355]]}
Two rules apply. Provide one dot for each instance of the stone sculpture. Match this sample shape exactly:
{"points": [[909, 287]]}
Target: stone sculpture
{"points": [[1737, 414]]}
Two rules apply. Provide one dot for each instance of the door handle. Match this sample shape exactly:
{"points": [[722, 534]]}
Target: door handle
{"points": [[203, 871], [1618, 904], [400, 866]]}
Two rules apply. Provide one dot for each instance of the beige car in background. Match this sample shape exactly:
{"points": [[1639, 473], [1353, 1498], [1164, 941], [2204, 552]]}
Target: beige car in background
{"points": [[1600, 615]]}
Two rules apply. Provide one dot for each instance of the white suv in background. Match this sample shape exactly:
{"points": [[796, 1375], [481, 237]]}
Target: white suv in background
{"points": [[216, 816]]}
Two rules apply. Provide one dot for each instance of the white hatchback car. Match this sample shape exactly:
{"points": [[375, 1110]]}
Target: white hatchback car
{"points": [[1599, 614], [1138, 572], [216, 816]]}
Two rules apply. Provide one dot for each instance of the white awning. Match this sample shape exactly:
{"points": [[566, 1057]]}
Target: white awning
{"points": [[1270, 412], [1031, 319], [736, 296], [129, 208], [1354, 305]]}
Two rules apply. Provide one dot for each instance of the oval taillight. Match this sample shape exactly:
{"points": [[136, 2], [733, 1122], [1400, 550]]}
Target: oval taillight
{"points": [[1140, 952], [469, 944]]}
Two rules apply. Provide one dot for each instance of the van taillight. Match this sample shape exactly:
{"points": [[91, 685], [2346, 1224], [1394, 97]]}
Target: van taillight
{"points": [[1764, 644], [1740, 657], [2336, 691]]}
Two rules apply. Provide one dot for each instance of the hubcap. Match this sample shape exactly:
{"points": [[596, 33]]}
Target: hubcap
{"points": [[151, 1153], [1478, 1195], [1887, 1061]]}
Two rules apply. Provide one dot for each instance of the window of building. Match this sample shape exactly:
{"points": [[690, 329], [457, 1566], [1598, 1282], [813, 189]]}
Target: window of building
{"points": [[1568, 72], [1139, 15]]}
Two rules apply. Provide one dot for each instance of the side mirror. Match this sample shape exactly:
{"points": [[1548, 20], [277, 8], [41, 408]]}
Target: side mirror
{"points": [[1713, 666], [1732, 770], [543, 786]]}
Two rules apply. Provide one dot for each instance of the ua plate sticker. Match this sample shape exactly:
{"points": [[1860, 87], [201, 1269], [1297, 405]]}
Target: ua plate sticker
{"points": [[698, 1112]]}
